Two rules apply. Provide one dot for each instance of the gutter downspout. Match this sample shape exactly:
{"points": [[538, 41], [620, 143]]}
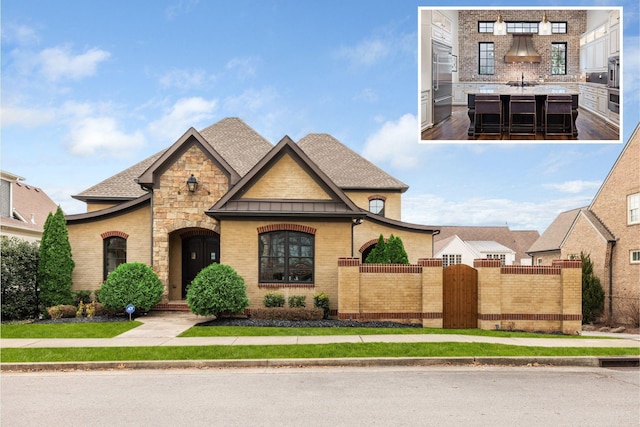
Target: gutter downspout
{"points": [[435, 233], [354, 222], [613, 244]]}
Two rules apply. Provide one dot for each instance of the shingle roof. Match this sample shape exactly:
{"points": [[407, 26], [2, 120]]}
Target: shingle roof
{"points": [[345, 167], [240, 145], [555, 234], [31, 206], [122, 186]]}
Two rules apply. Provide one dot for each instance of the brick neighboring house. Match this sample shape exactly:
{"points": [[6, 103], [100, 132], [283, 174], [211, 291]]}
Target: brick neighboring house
{"points": [[24, 208], [280, 215], [609, 230]]}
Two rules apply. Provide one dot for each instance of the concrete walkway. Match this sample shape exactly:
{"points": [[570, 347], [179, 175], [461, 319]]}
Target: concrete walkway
{"points": [[162, 329]]}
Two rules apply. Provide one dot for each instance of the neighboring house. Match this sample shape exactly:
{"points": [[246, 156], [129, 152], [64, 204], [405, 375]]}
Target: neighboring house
{"points": [[609, 231], [24, 208], [517, 241], [454, 250], [280, 215]]}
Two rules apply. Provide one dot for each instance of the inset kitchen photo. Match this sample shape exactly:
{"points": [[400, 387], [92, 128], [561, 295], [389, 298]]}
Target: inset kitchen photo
{"points": [[521, 74]]}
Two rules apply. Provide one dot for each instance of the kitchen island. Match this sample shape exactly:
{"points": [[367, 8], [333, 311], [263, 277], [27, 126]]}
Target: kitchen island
{"points": [[540, 92]]}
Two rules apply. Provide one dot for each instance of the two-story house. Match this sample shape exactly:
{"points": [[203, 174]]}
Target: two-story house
{"points": [[280, 215]]}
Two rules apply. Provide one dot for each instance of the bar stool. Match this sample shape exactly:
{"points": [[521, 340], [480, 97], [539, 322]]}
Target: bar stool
{"points": [[524, 108], [487, 104], [558, 105]]}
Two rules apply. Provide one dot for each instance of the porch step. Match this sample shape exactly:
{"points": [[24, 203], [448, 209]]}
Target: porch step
{"points": [[171, 306]]}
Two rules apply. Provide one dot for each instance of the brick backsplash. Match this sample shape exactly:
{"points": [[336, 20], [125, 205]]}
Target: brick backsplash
{"points": [[469, 39]]}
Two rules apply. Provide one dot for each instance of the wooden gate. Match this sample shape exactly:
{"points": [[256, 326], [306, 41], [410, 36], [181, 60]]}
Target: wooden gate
{"points": [[460, 297]]}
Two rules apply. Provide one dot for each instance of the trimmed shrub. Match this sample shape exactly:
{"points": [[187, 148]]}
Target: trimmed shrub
{"points": [[217, 289], [321, 301], [19, 277], [284, 313], [592, 292], [297, 301], [378, 254], [273, 300], [82, 297], [396, 251], [55, 264], [131, 283], [61, 311]]}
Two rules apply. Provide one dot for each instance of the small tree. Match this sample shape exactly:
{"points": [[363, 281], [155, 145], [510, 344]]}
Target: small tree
{"points": [[55, 263], [19, 275], [396, 252], [217, 289], [378, 254], [592, 293], [131, 283]]}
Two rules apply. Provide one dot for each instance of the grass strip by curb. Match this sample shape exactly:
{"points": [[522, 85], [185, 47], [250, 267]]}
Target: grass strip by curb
{"points": [[67, 330], [339, 350]]}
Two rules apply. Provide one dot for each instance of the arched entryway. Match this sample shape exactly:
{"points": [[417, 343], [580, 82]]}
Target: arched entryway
{"points": [[200, 248]]}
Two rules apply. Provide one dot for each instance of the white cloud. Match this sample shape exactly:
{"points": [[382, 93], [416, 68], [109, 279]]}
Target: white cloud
{"points": [[242, 67], [366, 53], [26, 117], [19, 34], [182, 7], [91, 135], [394, 143], [185, 79], [518, 215], [574, 187], [186, 112], [367, 95], [59, 62]]}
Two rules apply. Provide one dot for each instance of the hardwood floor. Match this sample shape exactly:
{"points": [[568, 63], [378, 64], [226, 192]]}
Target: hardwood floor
{"points": [[590, 128]]}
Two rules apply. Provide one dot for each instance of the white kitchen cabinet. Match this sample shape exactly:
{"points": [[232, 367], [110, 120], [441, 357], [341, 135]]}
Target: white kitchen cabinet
{"points": [[441, 26], [595, 98], [594, 50], [603, 102], [426, 119], [614, 32]]}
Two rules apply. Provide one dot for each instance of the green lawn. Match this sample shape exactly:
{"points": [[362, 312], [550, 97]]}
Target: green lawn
{"points": [[249, 331], [29, 355], [67, 330]]}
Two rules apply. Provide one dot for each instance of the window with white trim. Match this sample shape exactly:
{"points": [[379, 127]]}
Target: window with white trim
{"points": [[376, 206], [634, 257], [633, 209], [451, 259], [501, 257]]}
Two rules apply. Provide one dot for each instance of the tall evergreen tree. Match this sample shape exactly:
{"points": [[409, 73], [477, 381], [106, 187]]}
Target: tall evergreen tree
{"points": [[378, 254], [396, 251], [55, 263], [592, 292]]}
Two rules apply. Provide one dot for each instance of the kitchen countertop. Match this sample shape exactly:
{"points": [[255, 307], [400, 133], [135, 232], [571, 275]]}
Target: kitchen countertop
{"points": [[528, 90]]}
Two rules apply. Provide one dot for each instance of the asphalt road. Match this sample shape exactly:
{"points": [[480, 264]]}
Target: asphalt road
{"points": [[395, 396]]}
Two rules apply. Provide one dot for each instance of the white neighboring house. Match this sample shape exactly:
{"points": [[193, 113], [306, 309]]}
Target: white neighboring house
{"points": [[23, 208], [454, 250]]}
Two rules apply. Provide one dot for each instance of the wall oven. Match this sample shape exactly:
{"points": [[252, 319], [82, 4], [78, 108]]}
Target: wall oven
{"points": [[614, 100]]}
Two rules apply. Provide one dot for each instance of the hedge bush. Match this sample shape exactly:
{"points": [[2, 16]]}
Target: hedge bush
{"points": [[55, 264], [592, 292], [284, 313], [217, 289], [82, 296], [131, 283], [273, 300], [297, 301], [18, 274], [321, 301], [62, 311]]}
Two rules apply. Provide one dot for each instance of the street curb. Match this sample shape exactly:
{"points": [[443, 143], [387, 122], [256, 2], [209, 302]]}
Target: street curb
{"points": [[586, 361]]}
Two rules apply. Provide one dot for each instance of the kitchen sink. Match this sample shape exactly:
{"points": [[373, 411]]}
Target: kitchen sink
{"points": [[521, 83]]}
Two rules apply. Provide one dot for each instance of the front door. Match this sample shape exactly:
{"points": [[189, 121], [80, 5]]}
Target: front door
{"points": [[197, 253]]}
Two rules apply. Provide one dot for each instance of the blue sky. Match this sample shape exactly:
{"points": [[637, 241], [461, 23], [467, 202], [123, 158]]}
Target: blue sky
{"points": [[91, 87]]}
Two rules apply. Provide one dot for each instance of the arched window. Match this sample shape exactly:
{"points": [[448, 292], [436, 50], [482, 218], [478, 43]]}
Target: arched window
{"points": [[286, 257], [114, 252], [376, 206]]}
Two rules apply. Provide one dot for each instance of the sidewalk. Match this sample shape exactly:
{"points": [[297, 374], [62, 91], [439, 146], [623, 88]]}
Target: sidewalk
{"points": [[162, 329]]}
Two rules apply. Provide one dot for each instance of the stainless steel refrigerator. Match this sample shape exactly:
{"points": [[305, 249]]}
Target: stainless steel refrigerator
{"points": [[441, 81]]}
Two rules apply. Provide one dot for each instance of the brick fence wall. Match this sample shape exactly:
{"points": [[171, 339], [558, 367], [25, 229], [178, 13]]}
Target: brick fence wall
{"points": [[514, 297]]}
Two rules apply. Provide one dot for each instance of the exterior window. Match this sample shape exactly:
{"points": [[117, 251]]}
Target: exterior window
{"points": [[633, 208], [635, 257], [376, 206], [115, 253], [451, 259], [559, 58], [485, 27], [522, 27], [539, 261], [286, 257], [501, 257], [559, 28], [486, 58]]}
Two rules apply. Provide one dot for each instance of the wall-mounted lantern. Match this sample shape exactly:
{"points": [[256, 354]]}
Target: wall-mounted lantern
{"points": [[192, 184]]}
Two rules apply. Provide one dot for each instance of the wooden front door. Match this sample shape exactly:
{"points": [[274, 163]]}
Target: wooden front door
{"points": [[460, 297], [197, 253]]}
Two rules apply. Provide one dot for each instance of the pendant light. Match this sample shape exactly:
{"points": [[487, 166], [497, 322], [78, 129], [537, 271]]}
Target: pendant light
{"points": [[544, 27], [499, 27]]}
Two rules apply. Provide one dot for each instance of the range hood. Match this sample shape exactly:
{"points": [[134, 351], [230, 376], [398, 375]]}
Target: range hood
{"points": [[522, 50]]}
